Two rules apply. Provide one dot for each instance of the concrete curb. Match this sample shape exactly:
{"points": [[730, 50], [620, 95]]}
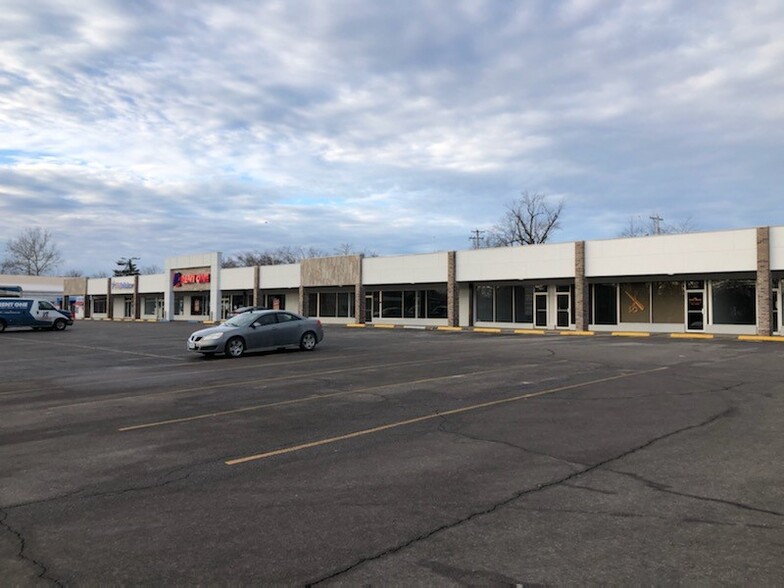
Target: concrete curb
{"points": [[549, 333]]}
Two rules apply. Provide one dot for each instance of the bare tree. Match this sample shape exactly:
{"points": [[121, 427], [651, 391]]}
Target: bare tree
{"points": [[654, 225], [277, 256], [348, 249], [73, 273], [529, 220], [33, 253]]}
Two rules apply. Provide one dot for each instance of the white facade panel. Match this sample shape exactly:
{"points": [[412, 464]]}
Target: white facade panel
{"points": [[98, 286], [695, 253], [530, 262], [279, 276], [777, 248], [237, 278], [405, 269], [152, 284]]}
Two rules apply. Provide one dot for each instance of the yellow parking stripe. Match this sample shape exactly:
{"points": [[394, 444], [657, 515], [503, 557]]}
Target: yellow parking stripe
{"points": [[486, 330], [577, 333], [437, 415], [383, 326], [690, 336], [317, 397], [760, 338], [449, 328], [529, 332], [630, 334]]}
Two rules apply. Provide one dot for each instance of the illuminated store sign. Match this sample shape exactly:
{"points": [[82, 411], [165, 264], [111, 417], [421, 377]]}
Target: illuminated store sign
{"points": [[181, 279], [122, 285]]}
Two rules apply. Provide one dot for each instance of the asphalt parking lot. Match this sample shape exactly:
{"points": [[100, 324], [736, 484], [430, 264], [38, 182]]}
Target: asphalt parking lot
{"points": [[389, 457]]}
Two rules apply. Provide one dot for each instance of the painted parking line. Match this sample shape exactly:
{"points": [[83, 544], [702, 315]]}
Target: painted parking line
{"points": [[314, 397], [107, 349], [437, 415], [352, 369]]}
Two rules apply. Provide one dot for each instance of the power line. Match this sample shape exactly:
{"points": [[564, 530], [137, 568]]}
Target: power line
{"points": [[476, 237]]}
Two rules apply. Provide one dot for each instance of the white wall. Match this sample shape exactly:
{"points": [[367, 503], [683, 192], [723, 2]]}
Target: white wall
{"points": [[98, 286], [238, 278], [405, 269], [279, 276], [153, 284], [529, 262], [695, 253], [777, 248]]}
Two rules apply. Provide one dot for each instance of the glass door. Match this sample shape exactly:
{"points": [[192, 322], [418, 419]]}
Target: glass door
{"points": [[775, 307], [540, 309], [695, 306], [368, 308], [563, 309]]}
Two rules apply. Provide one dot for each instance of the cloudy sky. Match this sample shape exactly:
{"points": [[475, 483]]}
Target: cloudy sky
{"points": [[158, 128]]}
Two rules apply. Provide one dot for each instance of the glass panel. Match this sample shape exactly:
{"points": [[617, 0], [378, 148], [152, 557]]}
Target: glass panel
{"points": [[695, 285], [635, 303], [409, 303], [562, 306], [484, 303], [149, 305], [436, 303], [540, 304], [313, 309], [695, 302], [775, 309], [503, 304], [734, 302], [667, 303], [328, 304], [524, 304], [392, 304], [605, 301], [343, 309]]}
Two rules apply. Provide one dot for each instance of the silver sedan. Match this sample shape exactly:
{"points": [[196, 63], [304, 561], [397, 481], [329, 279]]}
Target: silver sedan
{"points": [[257, 331]]}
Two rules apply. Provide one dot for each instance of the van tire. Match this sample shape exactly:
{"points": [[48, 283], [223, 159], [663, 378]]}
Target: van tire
{"points": [[59, 325], [2, 325]]}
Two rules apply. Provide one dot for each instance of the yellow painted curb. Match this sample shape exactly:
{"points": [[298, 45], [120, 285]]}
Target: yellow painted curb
{"points": [[529, 332], [356, 325], [486, 330], [690, 336], [577, 333], [630, 334], [760, 338], [383, 326], [449, 328]]}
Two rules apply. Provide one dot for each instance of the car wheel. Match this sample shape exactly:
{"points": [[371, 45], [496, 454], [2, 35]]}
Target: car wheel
{"points": [[235, 347], [59, 325], [2, 326], [308, 341]]}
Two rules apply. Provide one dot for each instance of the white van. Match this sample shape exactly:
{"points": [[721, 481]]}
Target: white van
{"points": [[32, 312]]}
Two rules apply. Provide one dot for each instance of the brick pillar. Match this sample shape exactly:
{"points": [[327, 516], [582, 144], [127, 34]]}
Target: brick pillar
{"points": [[256, 292], [109, 299], [137, 307], [303, 302], [359, 294], [580, 288], [452, 293], [764, 291]]}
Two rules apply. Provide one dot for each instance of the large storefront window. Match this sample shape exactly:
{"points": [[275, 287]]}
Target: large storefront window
{"points": [[605, 304], [667, 302], [505, 304], [635, 303], [331, 304], [419, 304], [734, 302], [99, 305], [199, 305], [392, 304]]}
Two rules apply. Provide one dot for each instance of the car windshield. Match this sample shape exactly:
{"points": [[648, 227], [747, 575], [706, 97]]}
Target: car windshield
{"points": [[241, 320]]}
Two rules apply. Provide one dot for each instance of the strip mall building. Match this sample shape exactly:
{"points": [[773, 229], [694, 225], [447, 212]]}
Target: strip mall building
{"points": [[726, 282]]}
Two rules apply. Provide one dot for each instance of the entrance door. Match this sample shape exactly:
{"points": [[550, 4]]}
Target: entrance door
{"points": [[540, 309], [368, 308], [225, 307], [128, 307], [563, 306], [695, 308], [776, 314]]}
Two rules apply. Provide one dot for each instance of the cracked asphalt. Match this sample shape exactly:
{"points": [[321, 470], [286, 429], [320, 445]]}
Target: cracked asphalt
{"points": [[389, 457]]}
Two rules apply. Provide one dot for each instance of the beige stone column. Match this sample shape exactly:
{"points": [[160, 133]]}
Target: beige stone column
{"points": [[256, 285], [303, 302], [137, 307], [109, 299], [452, 292], [580, 288], [359, 295], [764, 290]]}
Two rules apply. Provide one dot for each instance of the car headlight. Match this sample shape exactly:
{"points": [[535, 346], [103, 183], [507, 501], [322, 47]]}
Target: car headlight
{"points": [[213, 337]]}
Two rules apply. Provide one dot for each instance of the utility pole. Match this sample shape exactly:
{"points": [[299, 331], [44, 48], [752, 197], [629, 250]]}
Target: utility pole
{"points": [[656, 223], [476, 237]]}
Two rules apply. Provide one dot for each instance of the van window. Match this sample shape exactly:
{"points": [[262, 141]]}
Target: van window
{"points": [[43, 305]]}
